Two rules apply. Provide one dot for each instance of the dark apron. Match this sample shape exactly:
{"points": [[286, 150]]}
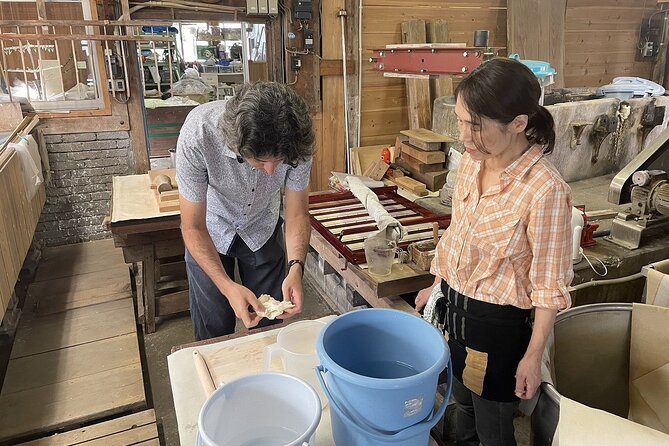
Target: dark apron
{"points": [[487, 341]]}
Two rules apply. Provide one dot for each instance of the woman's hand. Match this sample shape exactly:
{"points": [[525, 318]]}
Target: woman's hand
{"points": [[528, 376], [422, 297]]}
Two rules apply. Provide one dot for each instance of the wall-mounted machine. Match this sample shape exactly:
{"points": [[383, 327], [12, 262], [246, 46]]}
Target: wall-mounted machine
{"points": [[643, 183]]}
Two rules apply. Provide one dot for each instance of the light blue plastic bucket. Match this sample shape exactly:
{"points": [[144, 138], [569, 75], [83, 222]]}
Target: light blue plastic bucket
{"points": [[383, 366], [346, 431]]}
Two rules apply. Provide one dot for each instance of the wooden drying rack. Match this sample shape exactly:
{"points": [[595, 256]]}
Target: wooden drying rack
{"points": [[344, 222]]}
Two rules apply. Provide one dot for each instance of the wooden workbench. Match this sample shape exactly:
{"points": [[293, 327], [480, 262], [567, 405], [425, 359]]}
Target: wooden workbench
{"points": [[228, 358], [151, 241]]}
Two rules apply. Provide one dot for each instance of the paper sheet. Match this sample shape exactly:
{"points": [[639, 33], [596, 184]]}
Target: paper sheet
{"points": [[657, 284], [133, 199], [649, 367], [580, 424], [388, 226]]}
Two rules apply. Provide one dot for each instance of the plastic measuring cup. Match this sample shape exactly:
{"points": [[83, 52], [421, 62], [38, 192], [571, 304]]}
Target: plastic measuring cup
{"points": [[380, 254], [296, 347]]}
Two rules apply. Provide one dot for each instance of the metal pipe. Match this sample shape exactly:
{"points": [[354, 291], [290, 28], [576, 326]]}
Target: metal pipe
{"points": [[342, 15], [169, 63], [357, 136], [74, 60], [41, 71], [125, 71], [593, 283], [5, 71], [246, 52], [25, 75], [108, 55], [155, 61]]}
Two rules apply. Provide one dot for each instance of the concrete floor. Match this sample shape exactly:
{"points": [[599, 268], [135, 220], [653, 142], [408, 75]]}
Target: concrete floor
{"points": [[177, 331]]}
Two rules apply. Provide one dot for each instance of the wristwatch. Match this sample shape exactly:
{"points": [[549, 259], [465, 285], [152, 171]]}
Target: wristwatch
{"points": [[296, 261]]}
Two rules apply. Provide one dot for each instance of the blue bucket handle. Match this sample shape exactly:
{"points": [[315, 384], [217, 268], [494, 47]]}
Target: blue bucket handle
{"points": [[410, 431]]}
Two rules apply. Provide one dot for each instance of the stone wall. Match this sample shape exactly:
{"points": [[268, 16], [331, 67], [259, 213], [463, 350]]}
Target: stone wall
{"points": [[78, 196]]}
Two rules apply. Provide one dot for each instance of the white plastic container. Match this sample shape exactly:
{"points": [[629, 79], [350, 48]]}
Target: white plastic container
{"points": [[264, 409], [296, 347]]}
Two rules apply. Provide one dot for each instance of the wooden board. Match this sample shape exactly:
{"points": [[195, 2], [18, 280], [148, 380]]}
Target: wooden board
{"points": [[11, 116], [422, 155], [57, 295], [75, 327], [418, 90], [411, 185], [414, 165], [82, 258], [433, 180], [133, 429], [425, 135], [365, 156]]}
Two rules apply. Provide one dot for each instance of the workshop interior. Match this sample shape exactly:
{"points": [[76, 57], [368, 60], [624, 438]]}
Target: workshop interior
{"points": [[110, 105]]}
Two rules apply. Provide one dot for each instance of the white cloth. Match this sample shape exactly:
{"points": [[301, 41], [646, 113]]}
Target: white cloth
{"points": [[429, 312], [388, 226], [31, 164]]}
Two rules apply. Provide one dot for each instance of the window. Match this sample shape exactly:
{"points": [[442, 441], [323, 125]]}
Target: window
{"points": [[51, 75]]}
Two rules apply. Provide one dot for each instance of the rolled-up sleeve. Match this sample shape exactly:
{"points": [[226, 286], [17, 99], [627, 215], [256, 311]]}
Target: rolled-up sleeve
{"points": [[297, 178], [191, 176], [550, 237]]}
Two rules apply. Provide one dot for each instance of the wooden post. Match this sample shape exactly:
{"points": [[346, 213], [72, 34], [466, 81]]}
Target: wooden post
{"points": [[418, 90], [136, 116], [437, 32]]}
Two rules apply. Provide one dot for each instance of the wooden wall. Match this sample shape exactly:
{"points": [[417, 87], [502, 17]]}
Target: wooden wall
{"points": [[383, 100], [601, 38]]}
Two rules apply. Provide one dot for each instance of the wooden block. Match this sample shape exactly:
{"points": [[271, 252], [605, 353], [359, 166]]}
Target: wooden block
{"points": [[422, 155], [398, 146], [363, 157], [376, 170], [411, 185], [416, 166], [169, 195], [171, 173], [427, 139], [433, 180], [168, 206]]}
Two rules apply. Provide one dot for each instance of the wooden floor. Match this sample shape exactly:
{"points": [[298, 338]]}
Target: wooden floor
{"points": [[75, 358]]}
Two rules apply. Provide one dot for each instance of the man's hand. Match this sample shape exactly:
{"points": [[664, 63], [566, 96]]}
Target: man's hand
{"points": [[240, 298], [292, 292], [528, 376]]}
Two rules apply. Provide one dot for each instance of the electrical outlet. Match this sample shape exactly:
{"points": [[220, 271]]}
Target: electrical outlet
{"points": [[308, 39], [119, 84], [295, 63], [647, 50]]}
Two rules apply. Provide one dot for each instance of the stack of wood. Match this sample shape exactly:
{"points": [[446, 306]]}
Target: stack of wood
{"points": [[164, 184], [423, 154]]}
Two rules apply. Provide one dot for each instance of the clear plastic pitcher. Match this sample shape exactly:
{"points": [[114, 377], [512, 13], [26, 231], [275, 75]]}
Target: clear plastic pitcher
{"points": [[380, 254], [296, 347]]}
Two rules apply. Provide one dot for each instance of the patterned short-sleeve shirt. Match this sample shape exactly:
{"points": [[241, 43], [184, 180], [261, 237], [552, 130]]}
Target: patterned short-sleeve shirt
{"points": [[240, 199]]}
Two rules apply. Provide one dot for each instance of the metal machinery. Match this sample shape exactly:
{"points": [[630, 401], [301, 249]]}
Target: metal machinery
{"points": [[643, 183]]}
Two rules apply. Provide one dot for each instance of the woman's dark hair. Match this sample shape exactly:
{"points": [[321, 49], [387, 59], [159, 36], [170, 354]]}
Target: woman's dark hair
{"points": [[501, 89], [268, 119]]}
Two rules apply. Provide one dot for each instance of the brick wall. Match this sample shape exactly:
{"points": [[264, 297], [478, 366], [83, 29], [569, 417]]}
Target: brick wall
{"points": [[77, 198]]}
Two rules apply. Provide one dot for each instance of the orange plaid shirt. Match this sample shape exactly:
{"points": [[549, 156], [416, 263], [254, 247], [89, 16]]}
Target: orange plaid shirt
{"points": [[511, 245]]}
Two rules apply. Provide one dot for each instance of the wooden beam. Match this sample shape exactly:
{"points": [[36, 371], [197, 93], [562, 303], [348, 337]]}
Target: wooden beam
{"points": [[334, 67], [84, 23], [418, 90], [437, 32], [136, 113]]}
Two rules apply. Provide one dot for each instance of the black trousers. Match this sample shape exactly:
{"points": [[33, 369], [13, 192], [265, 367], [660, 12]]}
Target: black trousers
{"points": [[262, 272]]}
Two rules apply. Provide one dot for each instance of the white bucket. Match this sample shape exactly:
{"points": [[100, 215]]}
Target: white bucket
{"points": [[265, 409]]}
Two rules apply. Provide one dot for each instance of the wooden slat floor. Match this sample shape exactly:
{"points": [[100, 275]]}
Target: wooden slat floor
{"points": [[75, 358]]}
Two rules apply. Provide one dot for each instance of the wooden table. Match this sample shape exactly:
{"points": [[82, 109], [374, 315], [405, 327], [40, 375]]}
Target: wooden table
{"points": [[228, 358], [151, 241]]}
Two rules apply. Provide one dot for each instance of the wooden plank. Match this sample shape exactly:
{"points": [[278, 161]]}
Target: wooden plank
{"points": [[437, 32], [414, 165], [99, 430], [172, 303], [411, 185], [433, 180], [330, 67], [74, 327], [81, 258], [66, 404], [58, 366], [422, 155], [418, 90], [333, 150], [12, 116], [78, 291], [319, 178], [135, 110], [383, 122], [545, 40]]}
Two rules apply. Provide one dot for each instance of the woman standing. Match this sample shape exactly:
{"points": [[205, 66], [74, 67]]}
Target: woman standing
{"points": [[507, 250]]}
